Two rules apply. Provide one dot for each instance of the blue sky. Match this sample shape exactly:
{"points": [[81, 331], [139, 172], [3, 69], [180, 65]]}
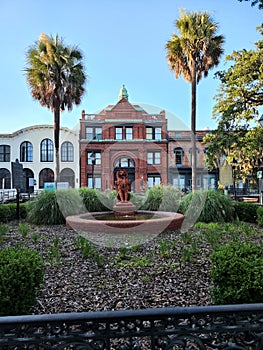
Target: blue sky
{"points": [[123, 43]]}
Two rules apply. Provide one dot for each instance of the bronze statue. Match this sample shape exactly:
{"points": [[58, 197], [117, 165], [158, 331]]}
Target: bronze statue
{"points": [[123, 185]]}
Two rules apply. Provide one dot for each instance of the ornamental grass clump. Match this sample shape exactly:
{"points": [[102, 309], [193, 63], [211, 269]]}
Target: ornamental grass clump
{"points": [[213, 206]]}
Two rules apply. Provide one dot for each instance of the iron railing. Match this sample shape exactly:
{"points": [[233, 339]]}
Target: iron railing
{"points": [[204, 327]]}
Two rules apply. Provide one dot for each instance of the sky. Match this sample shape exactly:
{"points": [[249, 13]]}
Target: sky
{"points": [[123, 42]]}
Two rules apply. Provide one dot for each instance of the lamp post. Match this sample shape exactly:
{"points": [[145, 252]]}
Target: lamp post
{"points": [[93, 161], [234, 165]]}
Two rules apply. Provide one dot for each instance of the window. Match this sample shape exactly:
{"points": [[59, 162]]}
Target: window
{"points": [[128, 133], [93, 133], [154, 180], [124, 162], [96, 180], [67, 152], [154, 157], [153, 133], [45, 175], [5, 153], [118, 133], [26, 152], [190, 152], [179, 153], [97, 157], [46, 151]]}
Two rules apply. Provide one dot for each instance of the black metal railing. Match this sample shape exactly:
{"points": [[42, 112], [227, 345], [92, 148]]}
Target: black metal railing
{"points": [[204, 327]]}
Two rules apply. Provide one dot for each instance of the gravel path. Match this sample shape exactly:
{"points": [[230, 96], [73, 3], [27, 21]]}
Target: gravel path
{"points": [[171, 270]]}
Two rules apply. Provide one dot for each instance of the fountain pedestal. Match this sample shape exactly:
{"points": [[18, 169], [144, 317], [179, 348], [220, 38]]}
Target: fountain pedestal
{"points": [[123, 209]]}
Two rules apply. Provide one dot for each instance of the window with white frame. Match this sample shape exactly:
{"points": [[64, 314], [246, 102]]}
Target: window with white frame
{"points": [[118, 133], [128, 133], [94, 133], [154, 180], [153, 157], [153, 133], [97, 157], [94, 181], [67, 152]]}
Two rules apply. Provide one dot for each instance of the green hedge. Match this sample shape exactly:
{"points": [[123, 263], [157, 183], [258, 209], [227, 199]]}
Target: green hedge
{"points": [[8, 211], [21, 271], [237, 273], [246, 211]]}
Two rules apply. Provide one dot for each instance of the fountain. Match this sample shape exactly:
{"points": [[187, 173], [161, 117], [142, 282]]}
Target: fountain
{"points": [[124, 225]]}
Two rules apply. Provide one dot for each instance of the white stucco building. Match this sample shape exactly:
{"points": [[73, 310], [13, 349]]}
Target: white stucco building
{"points": [[33, 147]]}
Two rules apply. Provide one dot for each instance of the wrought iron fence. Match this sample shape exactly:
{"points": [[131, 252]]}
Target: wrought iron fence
{"points": [[205, 327]]}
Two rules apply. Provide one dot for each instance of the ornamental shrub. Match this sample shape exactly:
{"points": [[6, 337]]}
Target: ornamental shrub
{"points": [[237, 273], [8, 211], [246, 211], [21, 273], [260, 216], [213, 206]]}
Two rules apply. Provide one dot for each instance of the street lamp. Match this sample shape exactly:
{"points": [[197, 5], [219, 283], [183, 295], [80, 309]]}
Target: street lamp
{"points": [[93, 161], [234, 165]]}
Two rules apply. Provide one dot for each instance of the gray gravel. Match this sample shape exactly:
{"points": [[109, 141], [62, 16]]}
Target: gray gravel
{"points": [[171, 270]]}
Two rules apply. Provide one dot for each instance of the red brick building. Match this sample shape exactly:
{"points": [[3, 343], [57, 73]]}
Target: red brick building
{"points": [[125, 136]]}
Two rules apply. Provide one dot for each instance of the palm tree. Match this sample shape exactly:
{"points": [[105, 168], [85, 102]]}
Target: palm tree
{"points": [[192, 54], [56, 78]]}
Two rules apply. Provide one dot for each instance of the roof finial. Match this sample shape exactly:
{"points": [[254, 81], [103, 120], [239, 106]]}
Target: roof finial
{"points": [[123, 93]]}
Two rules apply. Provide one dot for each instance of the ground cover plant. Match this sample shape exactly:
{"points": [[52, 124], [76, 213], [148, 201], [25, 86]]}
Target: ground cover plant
{"points": [[174, 269]]}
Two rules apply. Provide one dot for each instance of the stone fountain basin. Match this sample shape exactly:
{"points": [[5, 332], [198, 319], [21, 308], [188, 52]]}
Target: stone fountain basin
{"points": [[159, 222]]}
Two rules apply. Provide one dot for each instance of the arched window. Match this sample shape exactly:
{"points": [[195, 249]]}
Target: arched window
{"points": [[5, 153], [5, 178], [179, 154], [26, 152], [67, 152], [45, 175], [124, 162], [67, 175], [46, 151]]}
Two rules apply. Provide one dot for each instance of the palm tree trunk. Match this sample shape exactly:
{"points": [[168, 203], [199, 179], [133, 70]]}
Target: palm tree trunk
{"points": [[193, 131], [56, 141]]}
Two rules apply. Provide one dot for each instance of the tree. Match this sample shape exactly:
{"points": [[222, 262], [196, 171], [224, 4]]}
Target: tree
{"points": [[56, 77], [237, 109], [241, 89], [192, 54], [255, 2]]}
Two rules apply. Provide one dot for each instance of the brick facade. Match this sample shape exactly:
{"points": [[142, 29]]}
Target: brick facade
{"points": [[125, 135]]}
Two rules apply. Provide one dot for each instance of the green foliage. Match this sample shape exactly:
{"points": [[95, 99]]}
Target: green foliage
{"points": [[260, 216], [23, 228], [44, 210], [3, 232], [237, 273], [21, 271], [52, 207], [90, 250], [96, 201], [246, 211], [8, 211], [213, 206], [162, 198]]}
